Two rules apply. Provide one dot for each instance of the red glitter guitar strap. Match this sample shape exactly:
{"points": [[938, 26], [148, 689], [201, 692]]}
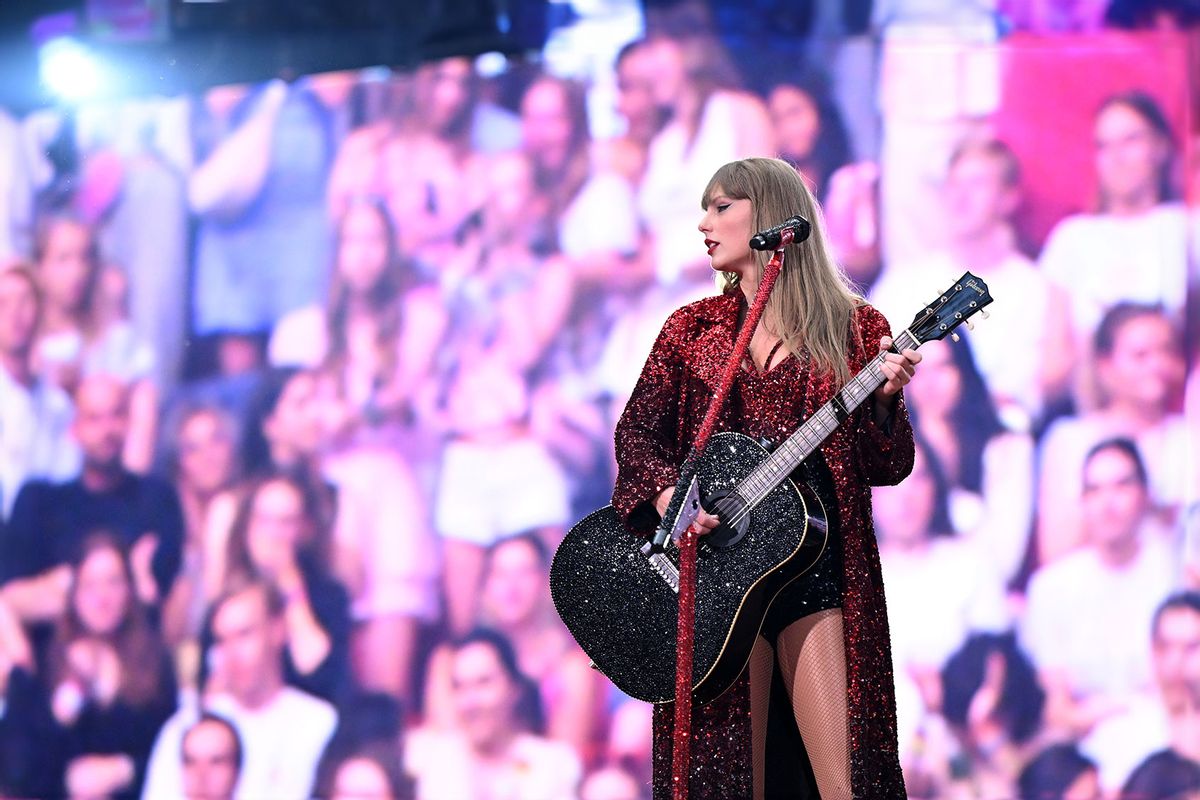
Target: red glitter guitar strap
{"points": [[684, 643]]}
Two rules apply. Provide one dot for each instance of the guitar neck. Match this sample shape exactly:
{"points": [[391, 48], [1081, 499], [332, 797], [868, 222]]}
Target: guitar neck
{"points": [[809, 436]]}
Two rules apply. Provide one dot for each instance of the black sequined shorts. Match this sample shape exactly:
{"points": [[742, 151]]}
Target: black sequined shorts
{"points": [[819, 589]]}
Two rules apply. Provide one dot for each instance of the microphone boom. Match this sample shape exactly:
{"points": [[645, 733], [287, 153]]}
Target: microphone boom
{"points": [[794, 229]]}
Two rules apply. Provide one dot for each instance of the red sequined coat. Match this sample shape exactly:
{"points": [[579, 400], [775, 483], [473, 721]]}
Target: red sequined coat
{"points": [[658, 426]]}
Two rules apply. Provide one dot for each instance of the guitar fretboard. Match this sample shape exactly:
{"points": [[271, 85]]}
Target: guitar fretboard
{"points": [[808, 437]]}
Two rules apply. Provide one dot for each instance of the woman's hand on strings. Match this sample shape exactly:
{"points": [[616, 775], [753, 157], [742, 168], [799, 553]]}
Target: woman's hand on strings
{"points": [[897, 369], [704, 522]]}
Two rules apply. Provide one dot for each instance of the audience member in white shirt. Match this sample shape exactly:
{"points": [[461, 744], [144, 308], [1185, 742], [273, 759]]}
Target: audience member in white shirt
{"points": [[576, 192], [1089, 613], [981, 193], [283, 730], [494, 752], [1135, 247], [1139, 370], [75, 340], [35, 415], [1168, 716], [918, 550]]}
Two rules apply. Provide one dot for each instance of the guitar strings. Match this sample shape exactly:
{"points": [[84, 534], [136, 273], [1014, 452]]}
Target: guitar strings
{"points": [[762, 493]]}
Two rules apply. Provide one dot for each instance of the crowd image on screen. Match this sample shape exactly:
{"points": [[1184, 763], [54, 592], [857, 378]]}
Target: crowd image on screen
{"points": [[982, 192], [108, 675], [278, 534], [283, 730], [515, 602], [495, 746], [37, 414], [1157, 719], [1138, 215], [1138, 369], [302, 382], [991, 714], [1119, 576], [987, 465], [917, 545], [372, 772]]}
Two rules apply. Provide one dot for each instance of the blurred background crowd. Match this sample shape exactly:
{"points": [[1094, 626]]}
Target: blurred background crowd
{"points": [[302, 382]]}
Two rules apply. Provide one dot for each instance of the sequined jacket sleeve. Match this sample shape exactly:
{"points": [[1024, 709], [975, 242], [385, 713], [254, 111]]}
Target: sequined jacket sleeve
{"points": [[884, 454], [647, 434]]}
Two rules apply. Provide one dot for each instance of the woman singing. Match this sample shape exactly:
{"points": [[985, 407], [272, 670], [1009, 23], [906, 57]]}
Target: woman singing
{"points": [[821, 671]]}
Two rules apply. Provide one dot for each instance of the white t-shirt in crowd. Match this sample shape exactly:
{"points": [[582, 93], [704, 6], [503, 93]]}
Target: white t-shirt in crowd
{"points": [[35, 437], [1092, 621], [281, 745], [1101, 259], [997, 518], [928, 625], [299, 339], [381, 510], [1118, 744], [633, 334], [535, 769]]}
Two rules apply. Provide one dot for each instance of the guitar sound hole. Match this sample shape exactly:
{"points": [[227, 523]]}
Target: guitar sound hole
{"points": [[734, 514]]}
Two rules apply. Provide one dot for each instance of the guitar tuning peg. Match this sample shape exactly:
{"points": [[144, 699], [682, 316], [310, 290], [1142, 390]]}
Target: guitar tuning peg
{"points": [[954, 336], [983, 313], [969, 324]]}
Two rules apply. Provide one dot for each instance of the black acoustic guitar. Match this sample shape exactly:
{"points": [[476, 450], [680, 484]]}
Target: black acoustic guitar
{"points": [[619, 596]]}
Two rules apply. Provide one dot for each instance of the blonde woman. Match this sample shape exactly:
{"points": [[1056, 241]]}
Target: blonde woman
{"points": [[826, 633]]}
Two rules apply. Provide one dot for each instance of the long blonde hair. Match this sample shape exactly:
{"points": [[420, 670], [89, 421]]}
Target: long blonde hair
{"points": [[812, 305]]}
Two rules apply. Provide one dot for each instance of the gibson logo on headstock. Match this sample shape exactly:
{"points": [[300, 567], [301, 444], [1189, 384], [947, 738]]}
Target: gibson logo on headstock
{"points": [[979, 290]]}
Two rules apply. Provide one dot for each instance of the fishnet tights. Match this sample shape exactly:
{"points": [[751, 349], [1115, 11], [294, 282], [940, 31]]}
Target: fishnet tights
{"points": [[813, 666]]}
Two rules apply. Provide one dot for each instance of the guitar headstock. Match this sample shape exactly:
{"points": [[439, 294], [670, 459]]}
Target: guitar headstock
{"points": [[952, 308]]}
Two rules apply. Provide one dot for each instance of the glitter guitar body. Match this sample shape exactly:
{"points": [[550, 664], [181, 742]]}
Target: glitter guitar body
{"points": [[622, 608], [618, 595]]}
